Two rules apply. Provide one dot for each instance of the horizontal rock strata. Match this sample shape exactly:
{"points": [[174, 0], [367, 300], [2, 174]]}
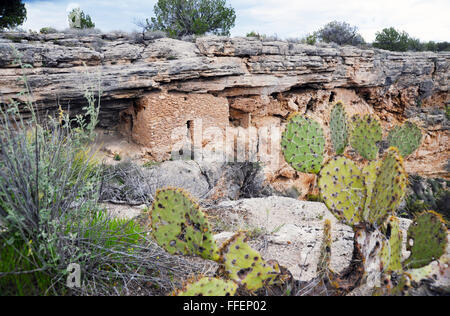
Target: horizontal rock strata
{"points": [[262, 82]]}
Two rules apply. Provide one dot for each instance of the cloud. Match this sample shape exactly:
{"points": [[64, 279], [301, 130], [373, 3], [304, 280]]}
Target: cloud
{"points": [[72, 6], [427, 20], [424, 19]]}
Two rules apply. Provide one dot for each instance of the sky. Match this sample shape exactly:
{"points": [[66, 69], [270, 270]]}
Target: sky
{"points": [[424, 19]]}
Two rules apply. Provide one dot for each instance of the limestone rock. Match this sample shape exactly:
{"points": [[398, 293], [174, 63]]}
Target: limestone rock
{"points": [[292, 232], [258, 81]]}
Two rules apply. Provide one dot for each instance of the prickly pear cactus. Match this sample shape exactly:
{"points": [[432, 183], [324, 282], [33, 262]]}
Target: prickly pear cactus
{"points": [[338, 128], [365, 133], [323, 267], [180, 227], [391, 254], [389, 188], [407, 138], [427, 240], [342, 188], [208, 287], [370, 173], [303, 144], [245, 266]]}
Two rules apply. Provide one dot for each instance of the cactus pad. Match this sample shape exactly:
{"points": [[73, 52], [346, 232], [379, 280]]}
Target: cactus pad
{"points": [[370, 175], [338, 128], [389, 188], [365, 133], [407, 138], [391, 255], [208, 287], [303, 144], [245, 265], [180, 227], [427, 240], [342, 188]]}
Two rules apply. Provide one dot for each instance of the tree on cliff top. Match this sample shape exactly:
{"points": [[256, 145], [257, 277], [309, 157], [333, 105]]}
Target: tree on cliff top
{"points": [[178, 18], [79, 20], [12, 13], [391, 39]]}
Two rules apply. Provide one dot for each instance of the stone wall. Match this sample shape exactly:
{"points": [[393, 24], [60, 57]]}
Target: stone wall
{"points": [[160, 120]]}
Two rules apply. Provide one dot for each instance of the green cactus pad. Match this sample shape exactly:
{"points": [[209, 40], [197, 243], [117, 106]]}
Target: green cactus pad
{"points": [[338, 128], [342, 188], [208, 287], [303, 144], [407, 138], [391, 254], [325, 252], [365, 133], [389, 188], [370, 173], [427, 240], [180, 227], [245, 265]]}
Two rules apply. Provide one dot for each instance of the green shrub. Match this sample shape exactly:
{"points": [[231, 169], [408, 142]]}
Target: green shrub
{"points": [[310, 39], [50, 216], [178, 18], [400, 41], [18, 256], [48, 30], [255, 34], [340, 33]]}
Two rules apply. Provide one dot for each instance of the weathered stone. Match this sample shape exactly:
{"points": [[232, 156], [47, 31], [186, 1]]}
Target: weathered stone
{"points": [[260, 81], [292, 232]]}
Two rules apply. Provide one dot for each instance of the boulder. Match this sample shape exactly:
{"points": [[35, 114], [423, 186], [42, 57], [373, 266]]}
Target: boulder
{"points": [[289, 231]]}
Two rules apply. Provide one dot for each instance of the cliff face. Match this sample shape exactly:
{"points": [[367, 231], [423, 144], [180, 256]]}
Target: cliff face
{"points": [[261, 82]]}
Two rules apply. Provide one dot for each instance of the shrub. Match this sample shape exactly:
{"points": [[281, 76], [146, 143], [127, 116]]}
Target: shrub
{"points": [[400, 41], [48, 30], [18, 256], [391, 39], [50, 216], [178, 18], [310, 39], [340, 33], [255, 34]]}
